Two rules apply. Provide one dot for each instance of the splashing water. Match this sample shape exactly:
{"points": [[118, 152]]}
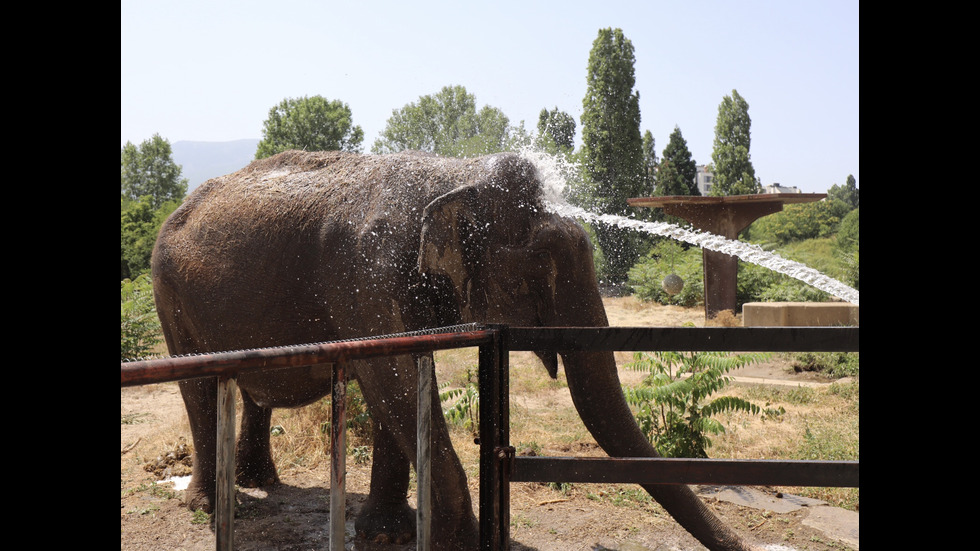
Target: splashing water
{"points": [[552, 172]]}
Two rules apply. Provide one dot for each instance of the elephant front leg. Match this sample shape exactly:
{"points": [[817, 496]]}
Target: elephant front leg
{"points": [[386, 516], [254, 466], [201, 401]]}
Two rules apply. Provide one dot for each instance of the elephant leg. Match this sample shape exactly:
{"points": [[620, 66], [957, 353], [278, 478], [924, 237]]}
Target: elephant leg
{"points": [[201, 401], [386, 516], [394, 406], [254, 466]]}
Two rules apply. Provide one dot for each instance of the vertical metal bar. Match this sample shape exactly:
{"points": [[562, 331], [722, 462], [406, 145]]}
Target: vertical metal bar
{"points": [[338, 457], [494, 410], [224, 524], [502, 369], [423, 445]]}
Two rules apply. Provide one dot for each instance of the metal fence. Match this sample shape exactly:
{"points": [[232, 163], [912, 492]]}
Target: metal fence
{"points": [[498, 464]]}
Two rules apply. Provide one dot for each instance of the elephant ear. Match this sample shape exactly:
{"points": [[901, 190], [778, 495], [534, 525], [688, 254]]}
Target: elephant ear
{"points": [[449, 229]]}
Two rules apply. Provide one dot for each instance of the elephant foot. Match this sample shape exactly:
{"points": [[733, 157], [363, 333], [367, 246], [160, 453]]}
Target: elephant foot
{"points": [[198, 497], [255, 474], [388, 523]]}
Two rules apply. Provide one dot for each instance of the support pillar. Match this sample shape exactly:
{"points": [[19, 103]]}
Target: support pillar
{"points": [[724, 216]]}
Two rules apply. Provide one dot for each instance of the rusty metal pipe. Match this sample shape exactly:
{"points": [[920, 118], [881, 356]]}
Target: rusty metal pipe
{"points": [[231, 364]]}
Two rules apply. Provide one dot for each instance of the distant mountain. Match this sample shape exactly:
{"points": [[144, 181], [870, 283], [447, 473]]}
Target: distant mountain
{"points": [[201, 161]]}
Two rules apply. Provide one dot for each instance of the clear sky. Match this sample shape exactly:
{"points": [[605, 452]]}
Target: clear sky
{"points": [[209, 70]]}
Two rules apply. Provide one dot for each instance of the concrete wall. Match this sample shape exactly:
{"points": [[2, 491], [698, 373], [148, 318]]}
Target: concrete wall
{"points": [[780, 314]]}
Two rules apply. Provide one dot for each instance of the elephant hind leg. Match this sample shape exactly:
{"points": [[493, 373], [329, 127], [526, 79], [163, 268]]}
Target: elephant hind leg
{"points": [[201, 399]]}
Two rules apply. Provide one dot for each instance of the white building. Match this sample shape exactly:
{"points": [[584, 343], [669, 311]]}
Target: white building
{"points": [[776, 188], [704, 181]]}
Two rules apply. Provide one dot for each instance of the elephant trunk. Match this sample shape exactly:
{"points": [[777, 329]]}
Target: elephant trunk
{"points": [[597, 394]]}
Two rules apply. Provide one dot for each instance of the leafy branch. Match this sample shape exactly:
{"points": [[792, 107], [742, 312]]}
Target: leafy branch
{"points": [[674, 405]]}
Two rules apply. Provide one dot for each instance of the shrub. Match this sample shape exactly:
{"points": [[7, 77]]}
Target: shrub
{"points": [[464, 404], [834, 364], [667, 257], [673, 403], [464, 410], [140, 326]]}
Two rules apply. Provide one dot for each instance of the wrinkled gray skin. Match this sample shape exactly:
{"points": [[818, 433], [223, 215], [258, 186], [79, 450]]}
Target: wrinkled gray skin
{"points": [[309, 247]]}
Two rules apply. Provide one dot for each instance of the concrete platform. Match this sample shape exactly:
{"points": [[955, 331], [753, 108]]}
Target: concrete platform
{"points": [[798, 314]]}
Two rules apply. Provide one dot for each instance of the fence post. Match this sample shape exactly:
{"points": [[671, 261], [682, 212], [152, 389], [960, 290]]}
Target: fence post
{"points": [[423, 450], [225, 475], [338, 457], [494, 442]]}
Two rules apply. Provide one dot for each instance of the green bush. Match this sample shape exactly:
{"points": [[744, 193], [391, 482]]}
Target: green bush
{"points": [[673, 403], [667, 257], [798, 222], [140, 326], [849, 234], [834, 364], [464, 409]]}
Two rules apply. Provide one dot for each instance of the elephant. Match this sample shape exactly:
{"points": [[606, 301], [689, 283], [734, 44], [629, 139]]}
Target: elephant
{"points": [[308, 247]]}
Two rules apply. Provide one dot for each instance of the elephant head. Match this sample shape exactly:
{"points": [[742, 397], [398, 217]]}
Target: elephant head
{"points": [[512, 261]]}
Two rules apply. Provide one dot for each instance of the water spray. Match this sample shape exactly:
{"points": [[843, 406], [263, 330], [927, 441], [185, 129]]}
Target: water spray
{"points": [[552, 171]]}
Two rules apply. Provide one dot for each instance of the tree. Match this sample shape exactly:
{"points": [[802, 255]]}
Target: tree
{"points": [[446, 123], [310, 124], [612, 150], [140, 224], [847, 193], [678, 170], [733, 171], [559, 127], [650, 162], [149, 170]]}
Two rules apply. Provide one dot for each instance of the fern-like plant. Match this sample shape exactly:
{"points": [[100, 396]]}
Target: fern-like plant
{"points": [[464, 409], [674, 405]]}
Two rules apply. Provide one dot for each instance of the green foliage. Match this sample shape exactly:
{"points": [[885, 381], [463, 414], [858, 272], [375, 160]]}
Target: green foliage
{"points": [[140, 327], [140, 224], [650, 162], [800, 221], [759, 284], [446, 123], [731, 162], [834, 364], [149, 170], [362, 455], [612, 149], [847, 194], [559, 126], [678, 171], [848, 246], [667, 257], [674, 405], [309, 124], [849, 232], [358, 417], [464, 407]]}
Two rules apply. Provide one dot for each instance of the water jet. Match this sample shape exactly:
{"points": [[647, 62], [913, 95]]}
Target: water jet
{"points": [[725, 216]]}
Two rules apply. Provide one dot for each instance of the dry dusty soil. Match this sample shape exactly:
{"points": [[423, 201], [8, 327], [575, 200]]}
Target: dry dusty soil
{"points": [[294, 515]]}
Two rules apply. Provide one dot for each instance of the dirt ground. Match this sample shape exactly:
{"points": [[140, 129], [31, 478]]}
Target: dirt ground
{"points": [[294, 515]]}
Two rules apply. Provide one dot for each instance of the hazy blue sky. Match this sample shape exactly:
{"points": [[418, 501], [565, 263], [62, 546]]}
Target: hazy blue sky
{"points": [[211, 70]]}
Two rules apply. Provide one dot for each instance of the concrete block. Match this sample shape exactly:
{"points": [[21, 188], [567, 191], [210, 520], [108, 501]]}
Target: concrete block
{"points": [[806, 314]]}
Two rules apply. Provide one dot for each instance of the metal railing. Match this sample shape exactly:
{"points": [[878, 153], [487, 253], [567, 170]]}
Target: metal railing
{"points": [[498, 464], [226, 366]]}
